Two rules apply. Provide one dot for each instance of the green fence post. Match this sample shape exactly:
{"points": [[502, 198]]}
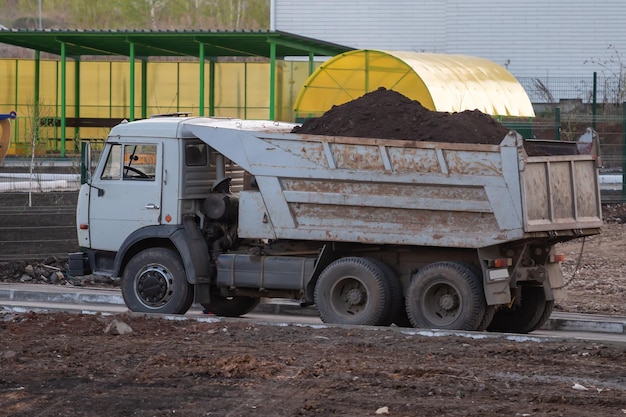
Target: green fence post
{"points": [[144, 88], [594, 107], [624, 151], [272, 80], [63, 97], [131, 58], [83, 168], [212, 87], [202, 75], [557, 123]]}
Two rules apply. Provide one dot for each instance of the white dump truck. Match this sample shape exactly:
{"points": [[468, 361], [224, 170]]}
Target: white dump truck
{"points": [[225, 212]]}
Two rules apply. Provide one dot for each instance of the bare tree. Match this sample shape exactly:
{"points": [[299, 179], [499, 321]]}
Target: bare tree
{"points": [[543, 90], [614, 69]]}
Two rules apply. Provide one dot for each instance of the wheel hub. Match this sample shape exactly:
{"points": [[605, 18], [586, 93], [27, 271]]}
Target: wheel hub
{"points": [[354, 296], [446, 302], [153, 286]]}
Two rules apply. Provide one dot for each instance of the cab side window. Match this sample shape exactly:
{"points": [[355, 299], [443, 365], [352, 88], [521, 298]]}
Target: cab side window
{"points": [[195, 154], [139, 162]]}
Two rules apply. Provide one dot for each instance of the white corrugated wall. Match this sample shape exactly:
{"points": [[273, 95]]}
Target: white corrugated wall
{"points": [[532, 38]]}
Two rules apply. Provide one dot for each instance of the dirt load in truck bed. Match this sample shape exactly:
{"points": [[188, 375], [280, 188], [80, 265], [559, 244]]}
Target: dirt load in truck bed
{"points": [[388, 114]]}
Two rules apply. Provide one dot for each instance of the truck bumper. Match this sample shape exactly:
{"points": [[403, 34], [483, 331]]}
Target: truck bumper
{"points": [[78, 264]]}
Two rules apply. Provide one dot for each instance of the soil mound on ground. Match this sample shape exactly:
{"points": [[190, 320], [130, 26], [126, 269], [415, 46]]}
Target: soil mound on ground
{"points": [[387, 114]]}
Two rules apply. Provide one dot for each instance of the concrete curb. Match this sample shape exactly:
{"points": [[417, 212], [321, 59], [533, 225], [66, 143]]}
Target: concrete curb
{"points": [[59, 294], [586, 323], [83, 297], [15, 294]]}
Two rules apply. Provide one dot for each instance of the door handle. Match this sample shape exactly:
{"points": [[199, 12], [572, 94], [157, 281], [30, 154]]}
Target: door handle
{"points": [[152, 206]]}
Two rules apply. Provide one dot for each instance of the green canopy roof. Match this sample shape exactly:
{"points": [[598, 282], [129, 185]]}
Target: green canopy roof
{"points": [[169, 43], [142, 43]]}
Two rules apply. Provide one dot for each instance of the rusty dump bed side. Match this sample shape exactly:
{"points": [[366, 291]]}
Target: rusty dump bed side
{"points": [[405, 192]]}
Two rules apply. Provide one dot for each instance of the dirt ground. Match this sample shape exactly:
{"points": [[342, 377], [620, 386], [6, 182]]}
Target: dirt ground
{"points": [[595, 271], [65, 364], [68, 365]]}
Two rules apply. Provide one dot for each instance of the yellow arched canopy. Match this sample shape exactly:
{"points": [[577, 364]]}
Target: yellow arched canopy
{"points": [[441, 82]]}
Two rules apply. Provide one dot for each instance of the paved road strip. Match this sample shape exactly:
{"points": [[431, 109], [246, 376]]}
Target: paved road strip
{"points": [[13, 296]]}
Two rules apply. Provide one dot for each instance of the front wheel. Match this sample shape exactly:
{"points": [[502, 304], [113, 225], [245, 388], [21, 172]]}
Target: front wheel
{"points": [[446, 295], [154, 281]]}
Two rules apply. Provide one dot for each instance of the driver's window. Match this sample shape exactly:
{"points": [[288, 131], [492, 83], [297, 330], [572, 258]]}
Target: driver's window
{"points": [[113, 166], [140, 162]]}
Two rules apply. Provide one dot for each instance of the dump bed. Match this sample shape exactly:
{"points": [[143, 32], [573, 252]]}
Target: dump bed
{"points": [[405, 192]]}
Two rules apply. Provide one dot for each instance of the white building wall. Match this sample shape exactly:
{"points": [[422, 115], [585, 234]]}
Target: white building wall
{"points": [[370, 24], [531, 38]]}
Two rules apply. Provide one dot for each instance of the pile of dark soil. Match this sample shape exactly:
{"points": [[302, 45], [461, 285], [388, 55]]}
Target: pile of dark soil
{"points": [[388, 114]]}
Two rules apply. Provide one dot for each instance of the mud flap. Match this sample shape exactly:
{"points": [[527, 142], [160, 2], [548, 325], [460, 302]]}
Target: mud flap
{"points": [[496, 286], [556, 290], [496, 281], [193, 251]]}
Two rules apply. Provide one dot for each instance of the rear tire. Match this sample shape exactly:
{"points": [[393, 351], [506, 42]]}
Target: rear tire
{"points": [[353, 291], [522, 317], [547, 312], [490, 310], [445, 295], [231, 306], [397, 311], [154, 281]]}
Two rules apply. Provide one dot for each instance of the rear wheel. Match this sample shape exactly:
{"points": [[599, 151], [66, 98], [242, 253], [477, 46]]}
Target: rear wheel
{"points": [[547, 312], [525, 315], [490, 310], [231, 306], [353, 291], [154, 281], [445, 295], [397, 311]]}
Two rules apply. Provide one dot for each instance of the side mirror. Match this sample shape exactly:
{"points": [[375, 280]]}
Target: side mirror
{"points": [[85, 162]]}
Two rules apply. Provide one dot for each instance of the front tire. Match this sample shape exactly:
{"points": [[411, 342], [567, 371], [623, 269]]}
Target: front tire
{"points": [[154, 281], [446, 295], [353, 291]]}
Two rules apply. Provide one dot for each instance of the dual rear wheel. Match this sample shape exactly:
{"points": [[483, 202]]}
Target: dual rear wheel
{"points": [[355, 291], [446, 295], [364, 291], [529, 312], [442, 295]]}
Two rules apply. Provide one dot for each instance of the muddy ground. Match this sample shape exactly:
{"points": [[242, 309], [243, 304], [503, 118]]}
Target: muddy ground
{"points": [[595, 272], [70, 365]]}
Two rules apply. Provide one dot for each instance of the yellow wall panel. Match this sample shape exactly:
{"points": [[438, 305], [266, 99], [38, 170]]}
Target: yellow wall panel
{"points": [[241, 90]]}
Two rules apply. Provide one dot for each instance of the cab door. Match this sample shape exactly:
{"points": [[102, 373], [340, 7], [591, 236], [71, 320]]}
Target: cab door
{"points": [[125, 193]]}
